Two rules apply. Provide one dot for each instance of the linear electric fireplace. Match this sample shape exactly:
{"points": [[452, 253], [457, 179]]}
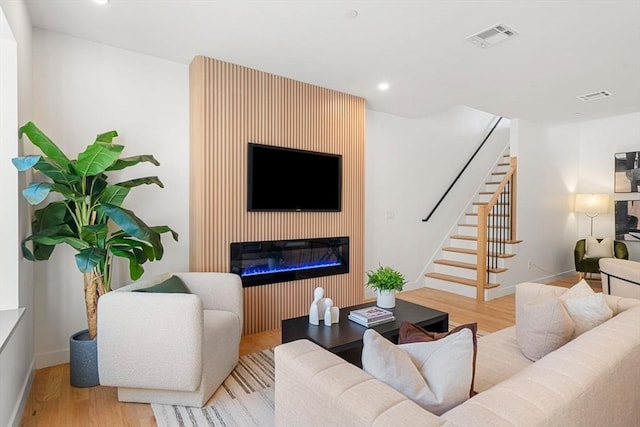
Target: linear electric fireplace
{"points": [[273, 261]]}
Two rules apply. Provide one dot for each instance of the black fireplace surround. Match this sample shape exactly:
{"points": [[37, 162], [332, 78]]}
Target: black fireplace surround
{"points": [[273, 261]]}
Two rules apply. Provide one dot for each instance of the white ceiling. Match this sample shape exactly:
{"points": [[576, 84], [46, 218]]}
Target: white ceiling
{"points": [[565, 48]]}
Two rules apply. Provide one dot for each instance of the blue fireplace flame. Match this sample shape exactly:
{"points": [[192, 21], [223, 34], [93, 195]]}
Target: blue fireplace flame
{"points": [[262, 269]]}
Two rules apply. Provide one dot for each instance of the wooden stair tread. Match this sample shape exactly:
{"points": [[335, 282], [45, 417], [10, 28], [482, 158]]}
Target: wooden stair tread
{"points": [[498, 173], [504, 164], [475, 238], [475, 252], [490, 214], [493, 182], [486, 203], [467, 265], [460, 280], [489, 225]]}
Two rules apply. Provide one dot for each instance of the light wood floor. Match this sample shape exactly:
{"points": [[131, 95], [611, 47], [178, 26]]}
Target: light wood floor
{"points": [[53, 402]]}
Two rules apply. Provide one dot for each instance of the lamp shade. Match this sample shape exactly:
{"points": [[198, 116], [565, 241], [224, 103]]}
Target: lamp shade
{"points": [[592, 203]]}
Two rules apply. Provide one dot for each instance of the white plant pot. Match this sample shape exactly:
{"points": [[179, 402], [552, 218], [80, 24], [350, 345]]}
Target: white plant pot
{"points": [[386, 299]]}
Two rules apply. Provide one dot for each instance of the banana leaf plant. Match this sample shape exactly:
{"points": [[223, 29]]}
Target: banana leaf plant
{"points": [[89, 217]]}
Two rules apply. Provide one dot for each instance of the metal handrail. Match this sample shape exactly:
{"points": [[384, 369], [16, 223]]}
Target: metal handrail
{"points": [[462, 171]]}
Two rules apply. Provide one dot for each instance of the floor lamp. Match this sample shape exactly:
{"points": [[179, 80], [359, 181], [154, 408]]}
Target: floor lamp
{"points": [[592, 205]]}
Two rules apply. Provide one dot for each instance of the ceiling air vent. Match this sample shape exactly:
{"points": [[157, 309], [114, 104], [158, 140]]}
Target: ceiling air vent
{"points": [[492, 36], [594, 95]]}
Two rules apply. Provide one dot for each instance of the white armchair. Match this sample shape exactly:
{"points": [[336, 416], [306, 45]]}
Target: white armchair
{"points": [[170, 348], [620, 277]]}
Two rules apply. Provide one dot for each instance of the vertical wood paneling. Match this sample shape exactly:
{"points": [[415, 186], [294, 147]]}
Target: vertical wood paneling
{"points": [[233, 105]]}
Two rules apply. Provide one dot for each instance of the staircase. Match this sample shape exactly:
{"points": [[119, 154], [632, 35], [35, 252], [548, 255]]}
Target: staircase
{"points": [[466, 266]]}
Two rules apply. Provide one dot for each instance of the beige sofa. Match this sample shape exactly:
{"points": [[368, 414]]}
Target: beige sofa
{"points": [[620, 277], [594, 380]]}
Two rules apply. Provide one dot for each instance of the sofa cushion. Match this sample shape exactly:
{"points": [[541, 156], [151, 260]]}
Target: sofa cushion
{"points": [[543, 326], [436, 375], [410, 333], [172, 285], [586, 308]]}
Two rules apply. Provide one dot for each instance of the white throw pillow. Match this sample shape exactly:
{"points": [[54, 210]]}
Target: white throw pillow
{"points": [[436, 375], [588, 312], [580, 289], [595, 249], [543, 326]]}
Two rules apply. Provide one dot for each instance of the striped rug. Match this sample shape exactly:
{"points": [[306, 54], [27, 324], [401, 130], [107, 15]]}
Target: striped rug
{"points": [[245, 399]]}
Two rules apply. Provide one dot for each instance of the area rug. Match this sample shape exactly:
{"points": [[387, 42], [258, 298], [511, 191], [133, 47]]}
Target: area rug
{"points": [[245, 399]]}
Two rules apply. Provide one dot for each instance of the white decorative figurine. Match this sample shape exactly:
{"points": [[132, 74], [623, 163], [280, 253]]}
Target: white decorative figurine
{"points": [[327, 313], [335, 315], [314, 309]]}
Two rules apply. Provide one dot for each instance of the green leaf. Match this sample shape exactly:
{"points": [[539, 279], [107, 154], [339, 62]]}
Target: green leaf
{"points": [[95, 235], [36, 192], [50, 237], [96, 158], [125, 162], [48, 147], [57, 174], [26, 162], [135, 268], [123, 243], [51, 215], [97, 184], [134, 226], [107, 136], [160, 229], [114, 195], [88, 259], [141, 181]]}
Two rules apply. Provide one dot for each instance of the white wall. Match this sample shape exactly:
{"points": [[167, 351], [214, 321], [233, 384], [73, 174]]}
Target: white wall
{"points": [[82, 89], [409, 165], [547, 176], [16, 355], [598, 141]]}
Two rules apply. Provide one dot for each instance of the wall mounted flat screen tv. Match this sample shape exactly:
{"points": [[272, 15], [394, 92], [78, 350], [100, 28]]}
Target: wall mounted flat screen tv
{"points": [[284, 179]]}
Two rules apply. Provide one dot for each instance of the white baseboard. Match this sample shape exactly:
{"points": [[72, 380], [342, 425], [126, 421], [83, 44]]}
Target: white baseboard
{"points": [[52, 358], [16, 415]]}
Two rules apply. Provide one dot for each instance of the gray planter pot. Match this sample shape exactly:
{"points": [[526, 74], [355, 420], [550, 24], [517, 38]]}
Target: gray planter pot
{"points": [[83, 360]]}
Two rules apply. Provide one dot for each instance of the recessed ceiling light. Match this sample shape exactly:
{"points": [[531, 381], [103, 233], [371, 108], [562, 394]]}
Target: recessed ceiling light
{"points": [[101, 1], [383, 86]]}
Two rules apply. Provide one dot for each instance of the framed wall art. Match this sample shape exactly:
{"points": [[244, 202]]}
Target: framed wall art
{"points": [[627, 214], [627, 172]]}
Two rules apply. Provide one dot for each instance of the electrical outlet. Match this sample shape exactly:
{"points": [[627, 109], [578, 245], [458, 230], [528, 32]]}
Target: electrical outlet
{"points": [[529, 265]]}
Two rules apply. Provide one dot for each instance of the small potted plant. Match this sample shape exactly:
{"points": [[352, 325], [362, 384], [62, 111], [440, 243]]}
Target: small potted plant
{"points": [[386, 281]]}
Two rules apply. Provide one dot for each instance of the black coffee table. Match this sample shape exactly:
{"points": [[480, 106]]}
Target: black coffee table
{"points": [[345, 337]]}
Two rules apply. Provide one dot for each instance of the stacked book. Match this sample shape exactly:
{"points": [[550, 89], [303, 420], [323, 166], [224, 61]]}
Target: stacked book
{"points": [[371, 316]]}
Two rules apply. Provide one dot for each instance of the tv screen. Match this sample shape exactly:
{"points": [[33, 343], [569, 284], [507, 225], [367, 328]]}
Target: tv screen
{"points": [[284, 179]]}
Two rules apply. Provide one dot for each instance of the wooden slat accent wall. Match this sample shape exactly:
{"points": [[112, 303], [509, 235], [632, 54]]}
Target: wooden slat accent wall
{"points": [[232, 105]]}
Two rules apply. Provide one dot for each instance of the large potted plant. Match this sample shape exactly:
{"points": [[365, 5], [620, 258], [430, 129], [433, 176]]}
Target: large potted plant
{"points": [[386, 281], [87, 215]]}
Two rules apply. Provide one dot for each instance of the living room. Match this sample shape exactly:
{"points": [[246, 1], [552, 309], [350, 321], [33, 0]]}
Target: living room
{"points": [[75, 87]]}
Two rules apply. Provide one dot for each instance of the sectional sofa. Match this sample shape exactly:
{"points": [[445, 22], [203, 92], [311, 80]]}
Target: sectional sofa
{"points": [[593, 380]]}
